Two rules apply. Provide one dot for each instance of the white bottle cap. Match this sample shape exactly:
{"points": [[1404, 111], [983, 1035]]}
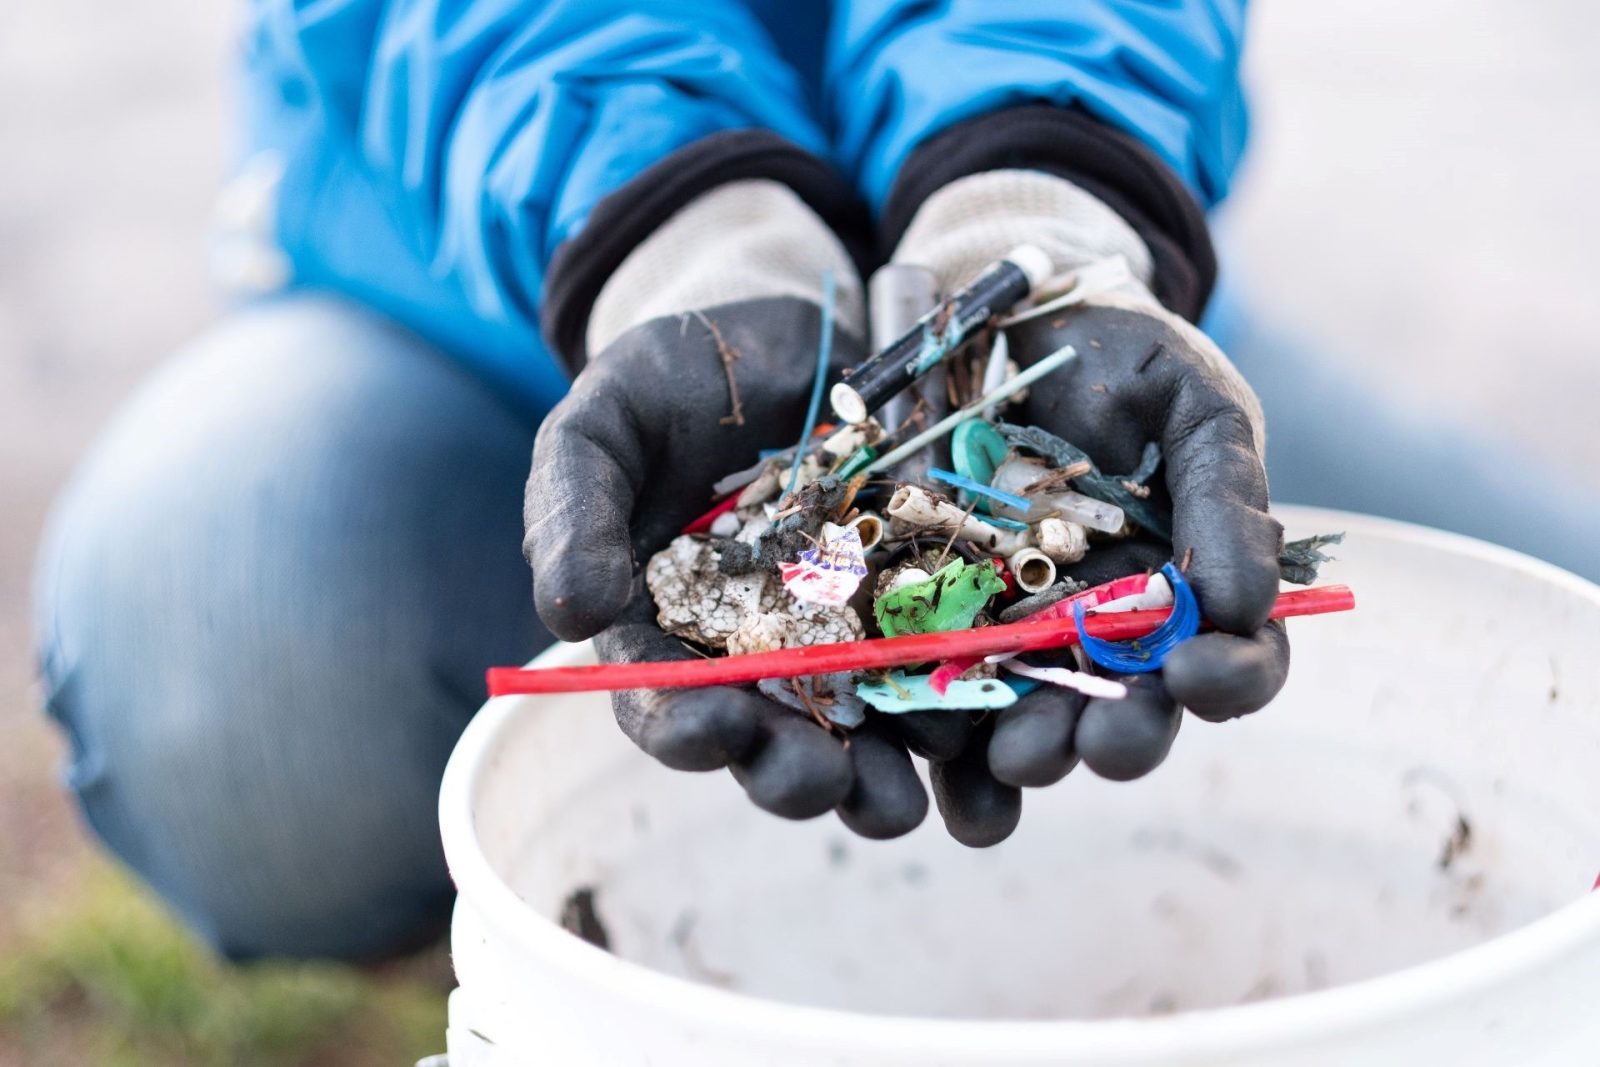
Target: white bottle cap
{"points": [[1033, 261], [847, 403]]}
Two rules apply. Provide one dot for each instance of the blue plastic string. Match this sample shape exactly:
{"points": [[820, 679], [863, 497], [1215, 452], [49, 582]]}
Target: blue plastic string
{"points": [[824, 354], [972, 485], [1145, 654]]}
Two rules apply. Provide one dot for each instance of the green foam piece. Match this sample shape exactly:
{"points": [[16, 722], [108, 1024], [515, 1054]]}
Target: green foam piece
{"points": [[950, 600]]}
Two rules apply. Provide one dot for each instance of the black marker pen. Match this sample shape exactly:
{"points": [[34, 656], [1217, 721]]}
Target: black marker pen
{"points": [[1000, 287]]}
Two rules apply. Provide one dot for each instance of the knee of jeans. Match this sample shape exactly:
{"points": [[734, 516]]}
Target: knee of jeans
{"points": [[264, 607]]}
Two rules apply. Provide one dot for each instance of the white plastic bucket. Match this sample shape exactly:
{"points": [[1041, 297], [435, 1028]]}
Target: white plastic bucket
{"points": [[1295, 888]]}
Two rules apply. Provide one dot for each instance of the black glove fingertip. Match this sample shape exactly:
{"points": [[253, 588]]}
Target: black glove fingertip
{"points": [[934, 735], [798, 771], [978, 810], [1221, 676], [887, 799], [1230, 552], [1032, 741], [700, 729], [576, 606], [1128, 738]]}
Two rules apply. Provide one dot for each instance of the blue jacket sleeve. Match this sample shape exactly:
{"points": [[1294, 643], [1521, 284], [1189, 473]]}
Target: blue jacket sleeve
{"points": [[900, 71], [436, 153]]}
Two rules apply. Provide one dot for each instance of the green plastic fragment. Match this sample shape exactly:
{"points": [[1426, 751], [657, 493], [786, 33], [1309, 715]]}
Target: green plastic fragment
{"points": [[976, 449], [901, 692], [1127, 491], [1299, 560], [858, 460], [950, 600]]}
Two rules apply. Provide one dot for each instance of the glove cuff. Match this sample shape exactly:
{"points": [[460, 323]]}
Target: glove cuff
{"points": [[745, 240], [975, 220], [621, 222], [1109, 165]]}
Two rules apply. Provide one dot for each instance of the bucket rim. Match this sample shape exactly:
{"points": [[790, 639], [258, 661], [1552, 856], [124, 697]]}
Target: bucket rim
{"points": [[1282, 1021]]}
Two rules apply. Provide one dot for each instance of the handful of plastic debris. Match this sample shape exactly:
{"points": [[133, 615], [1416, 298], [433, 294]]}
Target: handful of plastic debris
{"points": [[823, 543], [842, 555]]}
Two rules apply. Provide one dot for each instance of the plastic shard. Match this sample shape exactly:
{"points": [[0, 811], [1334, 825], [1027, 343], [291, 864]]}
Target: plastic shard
{"points": [[900, 692], [1021, 476], [950, 600], [1300, 560], [1128, 492], [833, 695], [1091, 685], [830, 572]]}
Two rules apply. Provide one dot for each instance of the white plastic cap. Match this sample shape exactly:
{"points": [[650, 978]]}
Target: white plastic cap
{"points": [[847, 403], [1035, 262]]}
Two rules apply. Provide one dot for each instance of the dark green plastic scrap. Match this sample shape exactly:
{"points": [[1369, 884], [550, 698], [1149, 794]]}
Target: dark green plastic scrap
{"points": [[1109, 488], [950, 600], [1299, 560]]}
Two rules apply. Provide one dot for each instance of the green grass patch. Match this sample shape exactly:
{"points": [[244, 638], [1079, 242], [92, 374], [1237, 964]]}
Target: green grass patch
{"points": [[106, 977]]}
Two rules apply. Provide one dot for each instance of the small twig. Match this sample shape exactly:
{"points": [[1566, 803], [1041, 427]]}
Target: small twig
{"points": [[852, 487], [1057, 478], [727, 353], [678, 629], [1188, 558], [917, 418], [948, 545], [805, 699]]}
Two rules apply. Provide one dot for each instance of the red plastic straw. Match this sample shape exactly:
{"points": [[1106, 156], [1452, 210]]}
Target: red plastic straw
{"points": [[703, 523], [872, 654]]}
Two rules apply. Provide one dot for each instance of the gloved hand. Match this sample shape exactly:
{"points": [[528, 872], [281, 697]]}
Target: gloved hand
{"points": [[730, 286], [1142, 374]]}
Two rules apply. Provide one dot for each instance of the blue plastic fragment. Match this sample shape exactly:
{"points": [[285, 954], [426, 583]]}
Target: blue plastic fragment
{"points": [[824, 353], [976, 450], [1005, 523], [1145, 654], [961, 481], [1020, 685]]}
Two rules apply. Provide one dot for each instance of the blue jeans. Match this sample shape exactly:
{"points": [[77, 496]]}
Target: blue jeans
{"points": [[265, 605], [267, 599]]}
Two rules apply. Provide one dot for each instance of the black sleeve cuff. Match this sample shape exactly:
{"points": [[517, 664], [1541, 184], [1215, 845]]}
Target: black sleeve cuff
{"points": [[1099, 158], [583, 263]]}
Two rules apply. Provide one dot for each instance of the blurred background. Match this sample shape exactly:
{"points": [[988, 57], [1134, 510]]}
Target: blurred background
{"points": [[1418, 203]]}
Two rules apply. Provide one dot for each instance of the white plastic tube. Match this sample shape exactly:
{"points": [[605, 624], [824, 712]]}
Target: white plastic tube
{"points": [[918, 509], [1034, 571], [1062, 541], [869, 527], [1015, 475]]}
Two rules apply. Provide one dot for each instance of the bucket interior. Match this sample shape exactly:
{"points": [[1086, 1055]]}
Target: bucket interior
{"points": [[1425, 782]]}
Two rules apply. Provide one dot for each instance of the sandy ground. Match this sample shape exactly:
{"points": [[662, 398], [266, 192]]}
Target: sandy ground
{"points": [[1419, 200]]}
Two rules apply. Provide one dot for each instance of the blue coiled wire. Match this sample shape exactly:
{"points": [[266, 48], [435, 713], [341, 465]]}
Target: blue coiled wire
{"points": [[1145, 654]]}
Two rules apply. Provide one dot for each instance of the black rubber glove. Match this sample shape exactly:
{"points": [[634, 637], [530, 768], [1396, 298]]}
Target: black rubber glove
{"points": [[1090, 196], [1140, 377], [619, 467]]}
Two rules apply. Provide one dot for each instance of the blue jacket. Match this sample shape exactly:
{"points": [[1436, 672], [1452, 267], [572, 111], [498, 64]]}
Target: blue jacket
{"points": [[438, 152]]}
